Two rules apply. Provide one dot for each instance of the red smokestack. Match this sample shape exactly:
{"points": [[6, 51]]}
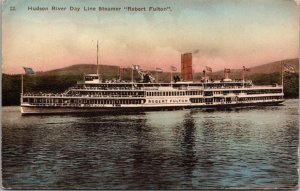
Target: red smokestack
{"points": [[187, 67]]}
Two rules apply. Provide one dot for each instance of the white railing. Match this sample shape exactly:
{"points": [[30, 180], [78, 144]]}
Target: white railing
{"points": [[78, 96]]}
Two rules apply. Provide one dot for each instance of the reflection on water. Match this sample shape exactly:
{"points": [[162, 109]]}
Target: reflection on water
{"points": [[186, 149]]}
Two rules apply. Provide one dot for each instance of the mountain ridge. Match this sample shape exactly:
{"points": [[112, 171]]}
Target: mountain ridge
{"points": [[85, 68]]}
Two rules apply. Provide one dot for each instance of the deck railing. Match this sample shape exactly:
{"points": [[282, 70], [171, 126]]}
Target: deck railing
{"points": [[79, 96]]}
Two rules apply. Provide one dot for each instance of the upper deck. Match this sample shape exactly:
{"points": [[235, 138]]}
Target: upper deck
{"points": [[95, 84], [94, 81]]}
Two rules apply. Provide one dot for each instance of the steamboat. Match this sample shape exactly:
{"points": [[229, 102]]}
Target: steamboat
{"points": [[94, 95]]}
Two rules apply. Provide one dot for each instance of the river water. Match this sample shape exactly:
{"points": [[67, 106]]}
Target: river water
{"points": [[185, 149]]}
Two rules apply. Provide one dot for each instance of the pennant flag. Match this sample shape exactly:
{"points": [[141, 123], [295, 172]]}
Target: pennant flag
{"points": [[159, 70], [227, 70], [122, 69], [196, 51], [209, 69], [289, 68], [136, 67], [173, 68], [246, 69], [28, 71]]}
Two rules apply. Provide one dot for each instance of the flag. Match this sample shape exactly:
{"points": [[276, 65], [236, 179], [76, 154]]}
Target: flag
{"points": [[123, 68], [209, 69], [246, 69], [173, 68], [227, 70], [136, 67], [28, 71], [159, 70], [288, 68]]}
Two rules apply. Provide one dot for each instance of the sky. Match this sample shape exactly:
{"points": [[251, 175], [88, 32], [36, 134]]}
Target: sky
{"points": [[229, 33]]}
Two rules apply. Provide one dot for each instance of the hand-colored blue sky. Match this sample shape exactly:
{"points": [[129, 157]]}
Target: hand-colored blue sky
{"points": [[229, 33]]}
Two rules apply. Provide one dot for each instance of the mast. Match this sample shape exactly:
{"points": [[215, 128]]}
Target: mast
{"points": [[22, 88], [281, 68], [22, 84], [243, 72], [97, 58], [132, 74]]}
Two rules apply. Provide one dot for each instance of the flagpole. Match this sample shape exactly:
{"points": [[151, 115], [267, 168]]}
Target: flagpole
{"points": [[97, 58], [193, 74], [243, 72], [281, 75], [22, 88], [22, 85], [132, 74], [156, 76]]}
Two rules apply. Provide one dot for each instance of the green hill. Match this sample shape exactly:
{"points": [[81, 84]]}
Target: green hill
{"points": [[81, 69], [112, 72], [107, 72], [269, 68]]}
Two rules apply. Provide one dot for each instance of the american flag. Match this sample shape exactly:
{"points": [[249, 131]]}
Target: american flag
{"points": [[209, 69], [246, 69], [28, 71], [173, 68], [158, 70], [136, 67], [288, 68], [122, 69], [227, 70]]}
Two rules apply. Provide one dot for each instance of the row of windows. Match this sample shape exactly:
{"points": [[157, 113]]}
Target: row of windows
{"points": [[138, 101], [210, 93], [233, 99], [226, 92], [105, 88], [264, 91], [174, 93], [197, 100], [82, 101], [226, 87], [260, 98], [109, 93]]}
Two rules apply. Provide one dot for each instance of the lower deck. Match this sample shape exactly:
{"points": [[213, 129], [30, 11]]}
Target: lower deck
{"points": [[88, 108], [65, 101]]}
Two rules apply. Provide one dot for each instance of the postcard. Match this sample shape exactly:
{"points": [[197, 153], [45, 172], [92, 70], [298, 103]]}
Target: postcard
{"points": [[138, 94]]}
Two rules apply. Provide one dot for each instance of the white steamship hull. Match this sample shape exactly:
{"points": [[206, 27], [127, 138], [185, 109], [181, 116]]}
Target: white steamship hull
{"points": [[29, 109]]}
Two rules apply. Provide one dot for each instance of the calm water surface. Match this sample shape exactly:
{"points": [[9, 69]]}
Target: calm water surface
{"points": [[186, 149]]}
